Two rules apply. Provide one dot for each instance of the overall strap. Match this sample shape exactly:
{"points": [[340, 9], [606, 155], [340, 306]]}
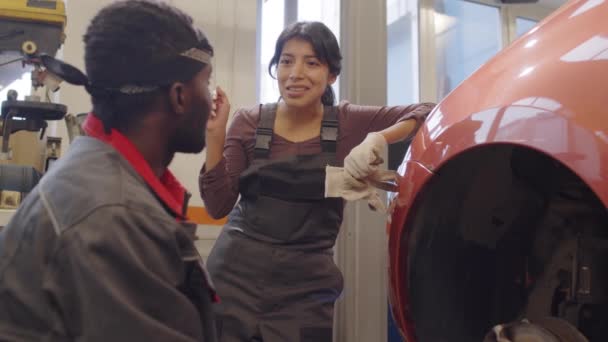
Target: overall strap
{"points": [[264, 131], [329, 129]]}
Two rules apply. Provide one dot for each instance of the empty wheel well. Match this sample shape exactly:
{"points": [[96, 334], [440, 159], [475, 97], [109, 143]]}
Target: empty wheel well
{"points": [[494, 238]]}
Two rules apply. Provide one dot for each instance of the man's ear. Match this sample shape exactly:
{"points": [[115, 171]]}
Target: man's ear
{"points": [[177, 97]]}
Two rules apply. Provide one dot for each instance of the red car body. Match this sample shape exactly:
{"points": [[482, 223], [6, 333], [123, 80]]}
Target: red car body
{"points": [[535, 114]]}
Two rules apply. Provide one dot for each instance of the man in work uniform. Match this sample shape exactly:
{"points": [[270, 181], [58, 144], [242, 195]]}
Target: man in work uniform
{"points": [[101, 249]]}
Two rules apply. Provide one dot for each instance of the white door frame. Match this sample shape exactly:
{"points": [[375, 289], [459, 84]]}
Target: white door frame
{"points": [[362, 246]]}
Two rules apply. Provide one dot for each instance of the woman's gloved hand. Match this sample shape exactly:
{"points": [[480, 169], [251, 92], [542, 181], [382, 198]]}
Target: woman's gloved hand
{"points": [[339, 183], [365, 158]]}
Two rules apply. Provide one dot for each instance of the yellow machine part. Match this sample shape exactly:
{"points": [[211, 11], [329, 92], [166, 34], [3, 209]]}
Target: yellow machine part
{"points": [[39, 11]]}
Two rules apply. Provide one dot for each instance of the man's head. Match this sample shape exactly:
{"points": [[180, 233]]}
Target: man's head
{"points": [[145, 58]]}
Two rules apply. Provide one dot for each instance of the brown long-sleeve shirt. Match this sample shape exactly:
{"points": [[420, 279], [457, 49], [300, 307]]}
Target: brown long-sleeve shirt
{"points": [[220, 186]]}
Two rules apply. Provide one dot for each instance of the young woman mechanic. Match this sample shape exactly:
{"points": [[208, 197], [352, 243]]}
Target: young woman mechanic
{"points": [[272, 264]]}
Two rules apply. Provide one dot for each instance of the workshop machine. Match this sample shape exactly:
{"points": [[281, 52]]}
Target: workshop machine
{"points": [[30, 32]]}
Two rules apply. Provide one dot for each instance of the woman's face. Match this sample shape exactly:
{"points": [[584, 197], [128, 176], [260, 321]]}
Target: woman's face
{"points": [[301, 75]]}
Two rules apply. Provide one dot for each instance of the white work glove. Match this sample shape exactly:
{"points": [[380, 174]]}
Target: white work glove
{"points": [[339, 183], [364, 159]]}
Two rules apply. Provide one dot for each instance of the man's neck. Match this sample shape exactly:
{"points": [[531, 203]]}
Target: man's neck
{"points": [[153, 147]]}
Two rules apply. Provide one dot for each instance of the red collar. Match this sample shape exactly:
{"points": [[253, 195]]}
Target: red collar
{"points": [[167, 187]]}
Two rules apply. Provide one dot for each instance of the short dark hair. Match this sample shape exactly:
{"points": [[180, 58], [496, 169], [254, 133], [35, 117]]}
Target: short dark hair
{"points": [[128, 34], [323, 43]]}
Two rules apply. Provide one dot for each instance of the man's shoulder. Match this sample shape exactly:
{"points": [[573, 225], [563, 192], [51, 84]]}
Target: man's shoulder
{"points": [[92, 175], [90, 171]]}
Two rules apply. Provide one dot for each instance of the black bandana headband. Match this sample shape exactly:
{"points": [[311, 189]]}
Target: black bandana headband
{"points": [[140, 78], [149, 78]]}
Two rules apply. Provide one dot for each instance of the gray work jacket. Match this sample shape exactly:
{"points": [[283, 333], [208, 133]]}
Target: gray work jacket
{"points": [[93, 255]]}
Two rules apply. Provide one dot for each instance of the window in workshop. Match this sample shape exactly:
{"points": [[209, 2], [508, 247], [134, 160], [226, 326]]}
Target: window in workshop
{"points": [[467, 34], [22, 85], [523, 25], [272, 22], [402, 51], [275, 15]]}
